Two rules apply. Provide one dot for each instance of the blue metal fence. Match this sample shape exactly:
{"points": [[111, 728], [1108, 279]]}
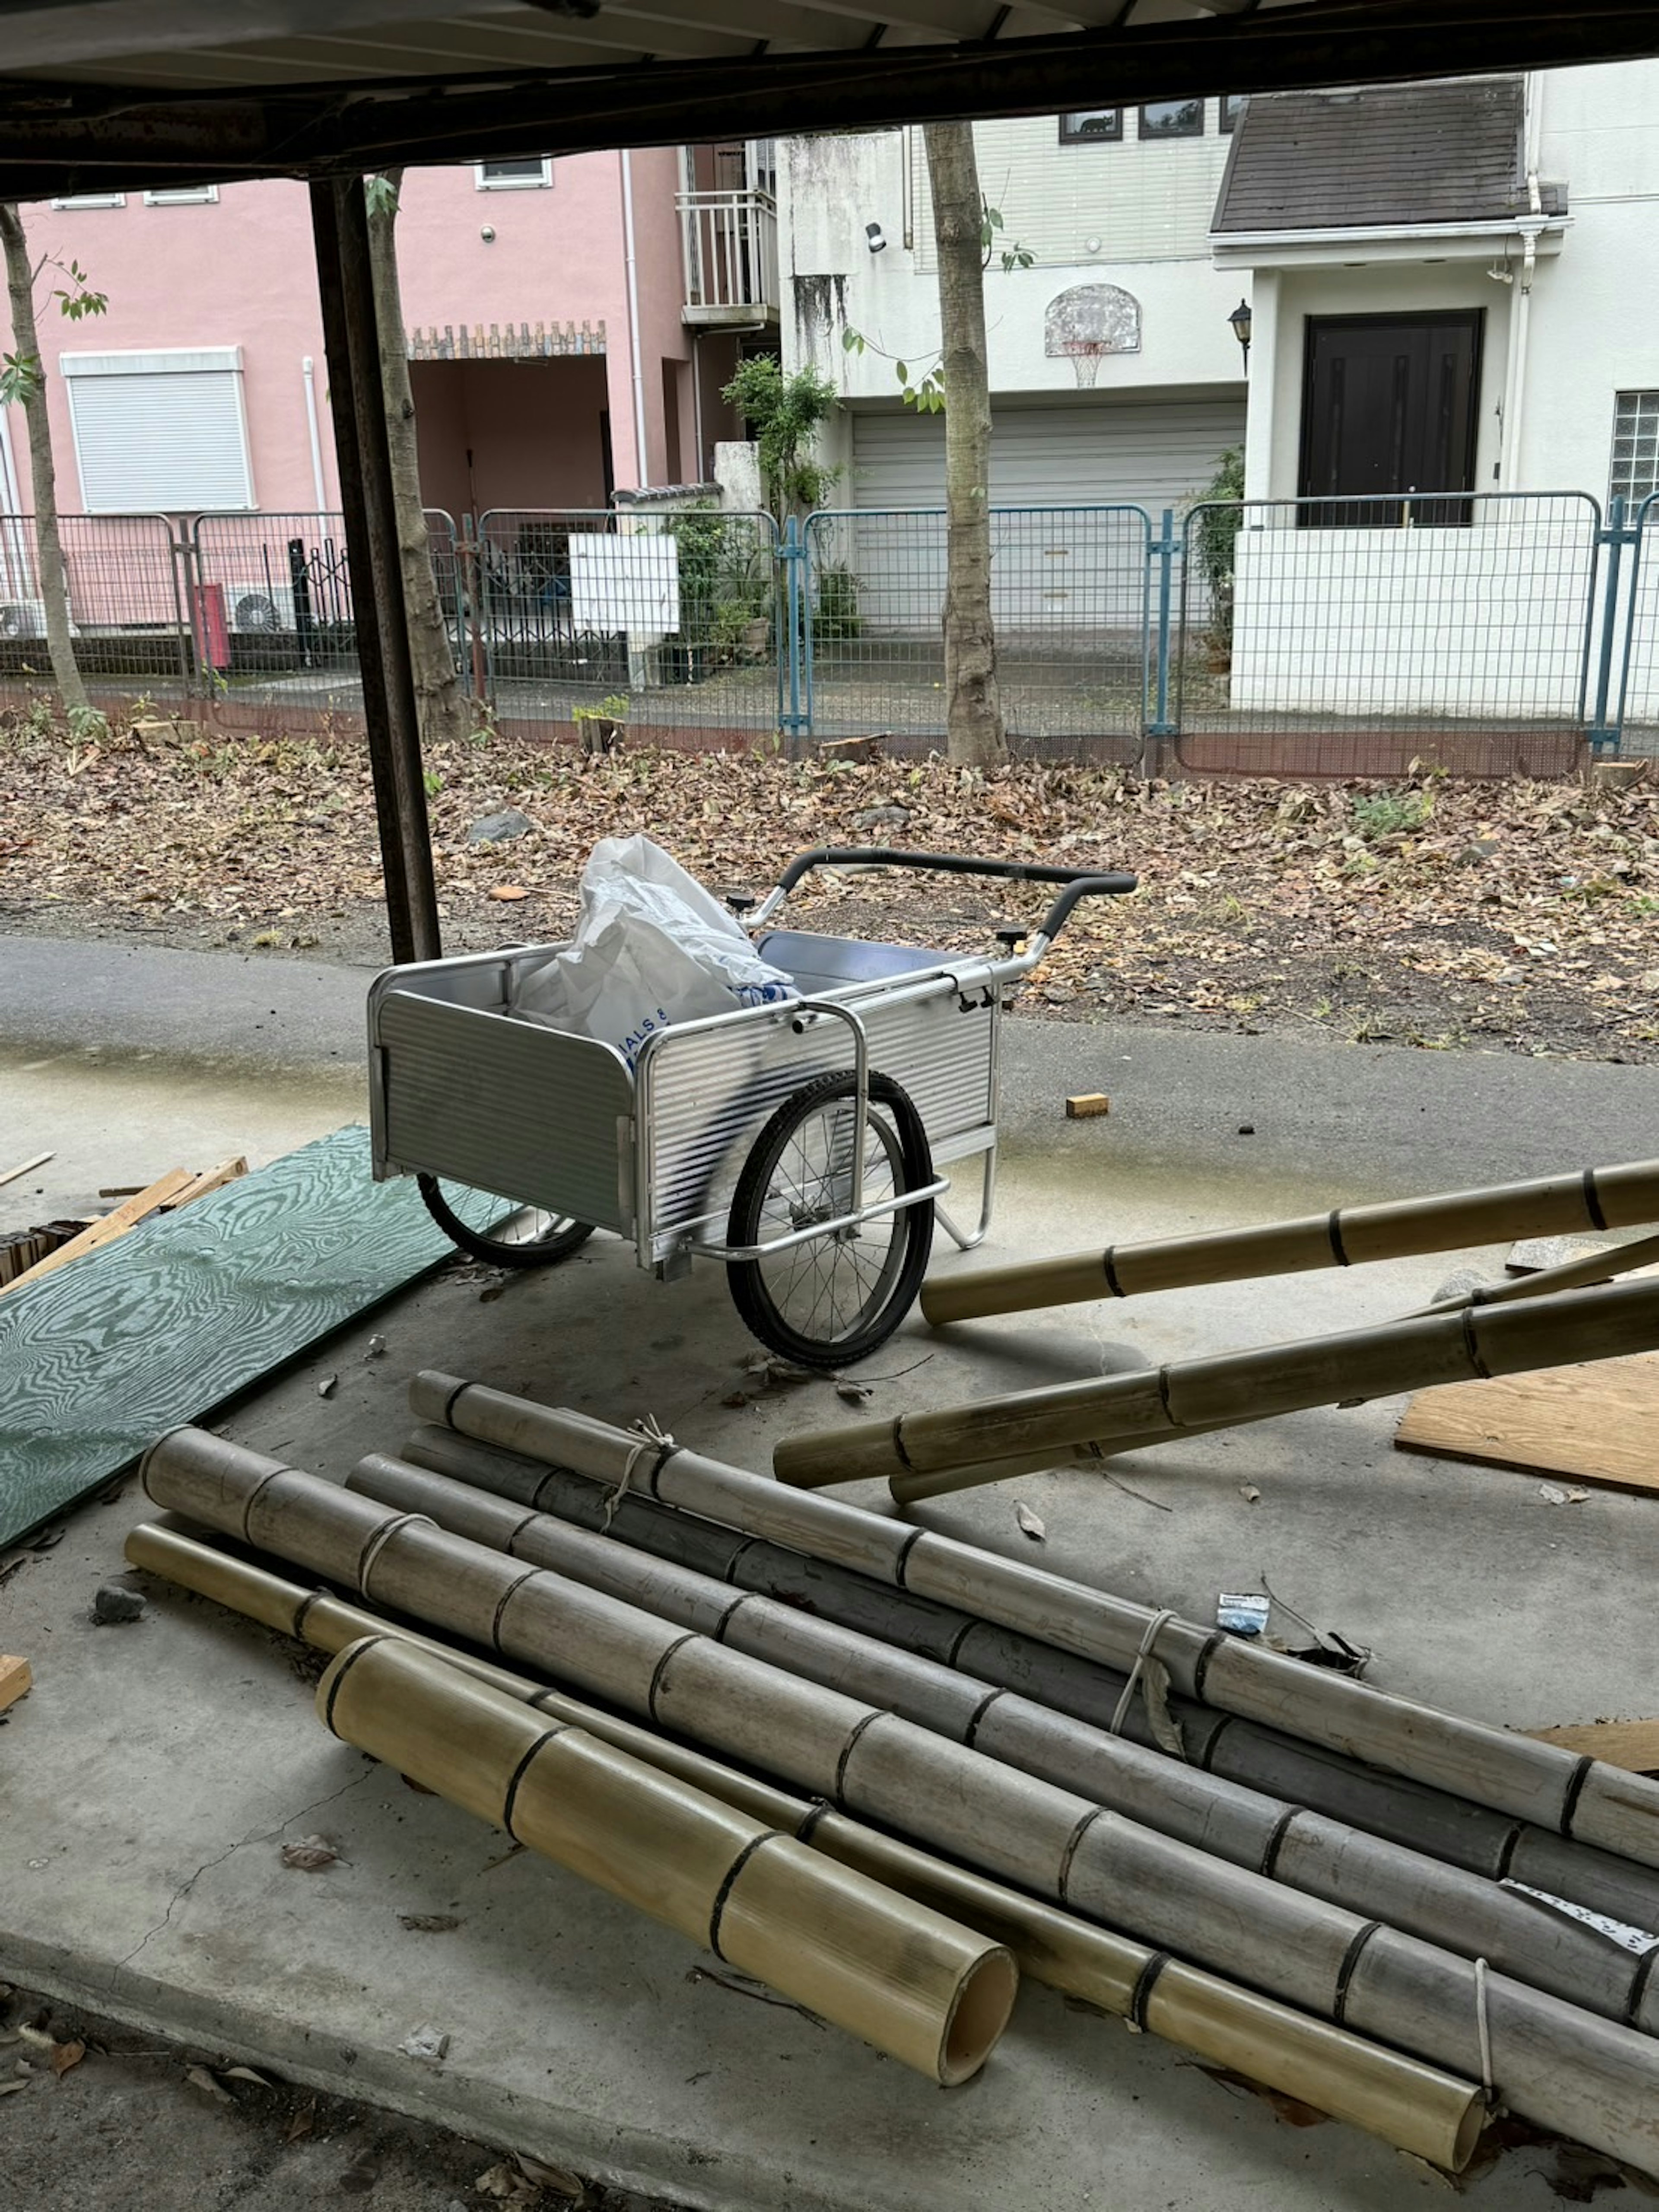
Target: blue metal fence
{"points": [[1485, 630]]}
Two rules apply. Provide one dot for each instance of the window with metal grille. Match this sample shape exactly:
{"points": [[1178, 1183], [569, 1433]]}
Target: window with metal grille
{"points": [[159, 432], [512, 176], [182, 196], [1635, 445]]}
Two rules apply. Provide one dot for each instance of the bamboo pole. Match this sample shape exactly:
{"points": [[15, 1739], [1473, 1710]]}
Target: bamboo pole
{"points": [[1471, 1837], [1540, 1783], [1558, 2066], [963, 1443], [1286, 1843], [896, 1974], [1596, 1198], [1415, 2107]]}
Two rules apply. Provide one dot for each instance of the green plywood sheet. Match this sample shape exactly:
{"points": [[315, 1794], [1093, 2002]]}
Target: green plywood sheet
{"points": [[97, 1358]]}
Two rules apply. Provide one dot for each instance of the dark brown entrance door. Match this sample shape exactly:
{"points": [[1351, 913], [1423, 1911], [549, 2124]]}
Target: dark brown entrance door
{"points": [[1388, 413]]}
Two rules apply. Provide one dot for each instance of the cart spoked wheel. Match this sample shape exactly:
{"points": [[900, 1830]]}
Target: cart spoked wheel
{"points": [[492, 1230], [834, 1299]]}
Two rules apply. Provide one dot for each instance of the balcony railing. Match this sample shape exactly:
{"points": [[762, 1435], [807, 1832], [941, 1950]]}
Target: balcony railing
{"points": [[730, 242]]}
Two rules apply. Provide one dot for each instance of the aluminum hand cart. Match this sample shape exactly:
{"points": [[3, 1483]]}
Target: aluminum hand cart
{"points": [[800, 1142]]}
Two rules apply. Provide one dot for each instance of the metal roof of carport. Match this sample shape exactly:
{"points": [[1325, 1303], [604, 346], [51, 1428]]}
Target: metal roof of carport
{"points": [[127, 92]]}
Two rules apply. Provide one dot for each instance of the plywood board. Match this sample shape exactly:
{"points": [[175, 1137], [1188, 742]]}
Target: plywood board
{"points": [[97, 1360], [1596, 1423]]}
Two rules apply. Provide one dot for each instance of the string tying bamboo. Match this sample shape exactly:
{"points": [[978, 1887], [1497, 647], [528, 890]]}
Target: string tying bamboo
{"points": [[1286, 1843], [896, 1973], [1535, 1782], [1555, 2064], [925, 1454], [1469, 1836], [1596, 1198], [1415, 2107]]}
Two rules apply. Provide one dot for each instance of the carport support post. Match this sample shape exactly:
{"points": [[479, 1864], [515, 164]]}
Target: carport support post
{"points": [[351, 343]]}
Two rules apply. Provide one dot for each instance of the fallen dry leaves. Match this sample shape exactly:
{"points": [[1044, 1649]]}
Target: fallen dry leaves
{"points": [[1510, 915]]}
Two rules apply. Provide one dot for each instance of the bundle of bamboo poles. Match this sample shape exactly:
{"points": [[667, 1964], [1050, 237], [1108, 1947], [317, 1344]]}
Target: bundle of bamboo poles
{"points": [[1306, 1911], [955, 1447]]}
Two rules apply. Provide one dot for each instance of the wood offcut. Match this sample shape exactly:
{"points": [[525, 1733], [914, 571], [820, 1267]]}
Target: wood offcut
{"points": [[1593, 1424]]}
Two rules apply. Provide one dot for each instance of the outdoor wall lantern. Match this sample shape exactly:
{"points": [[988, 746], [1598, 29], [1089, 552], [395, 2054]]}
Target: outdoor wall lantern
{"points": [[1240, 320], [874, 237]]}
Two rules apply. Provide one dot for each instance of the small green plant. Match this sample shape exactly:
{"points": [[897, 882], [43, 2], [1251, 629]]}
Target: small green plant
{"points": [[1214, 515], [433, 781], [612, 708], [1387, 813], [87, 726], [786, 414], [836, 612]]}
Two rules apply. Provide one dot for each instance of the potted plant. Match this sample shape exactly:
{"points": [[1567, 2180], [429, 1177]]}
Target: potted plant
{"points": [[599, 729]]}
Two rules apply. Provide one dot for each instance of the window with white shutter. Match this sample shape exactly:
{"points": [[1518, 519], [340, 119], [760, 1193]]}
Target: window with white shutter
{"points": [[159, 432]]}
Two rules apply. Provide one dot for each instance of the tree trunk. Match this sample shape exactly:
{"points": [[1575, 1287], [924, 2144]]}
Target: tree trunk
{"points": [[974, 706], [438, 698], [48, 546]]}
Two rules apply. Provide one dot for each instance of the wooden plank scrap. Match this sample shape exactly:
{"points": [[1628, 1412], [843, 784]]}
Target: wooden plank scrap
{"points": [[16, 1679], [1086, 1105], [1595, 1423], [1630, 1744], [209, 1179], [38, 1161], [149, 1201]]}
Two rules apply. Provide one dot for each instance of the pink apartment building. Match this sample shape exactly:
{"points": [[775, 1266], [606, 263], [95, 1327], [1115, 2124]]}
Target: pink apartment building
{"points": [[570, 325]]}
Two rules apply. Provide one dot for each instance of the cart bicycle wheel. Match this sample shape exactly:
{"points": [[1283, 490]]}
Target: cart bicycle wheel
{"points": [[497, 1231], [834, 1299]]}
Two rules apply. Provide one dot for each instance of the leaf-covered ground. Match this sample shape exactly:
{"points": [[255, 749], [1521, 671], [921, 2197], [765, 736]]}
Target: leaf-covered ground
{"points": [[1520, 916]]}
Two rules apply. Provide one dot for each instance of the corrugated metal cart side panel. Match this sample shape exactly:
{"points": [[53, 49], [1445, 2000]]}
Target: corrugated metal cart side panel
{"points": [[711, 1091], [507, 1106]]}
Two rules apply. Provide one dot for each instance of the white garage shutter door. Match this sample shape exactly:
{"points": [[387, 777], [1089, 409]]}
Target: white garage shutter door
{"points": [[1150, 453], [160, 433]]}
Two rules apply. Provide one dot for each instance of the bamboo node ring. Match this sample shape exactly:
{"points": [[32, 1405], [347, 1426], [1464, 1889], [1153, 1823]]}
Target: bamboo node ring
{"points": [[382, 1536], [1158, 1622], [1483, 2026]]}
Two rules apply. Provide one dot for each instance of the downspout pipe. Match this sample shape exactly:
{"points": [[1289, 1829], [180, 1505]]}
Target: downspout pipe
{"points": [[319, 489], [631, 277]]}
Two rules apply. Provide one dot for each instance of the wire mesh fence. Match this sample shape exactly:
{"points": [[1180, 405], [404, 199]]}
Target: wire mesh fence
{"points": [[668, 614], [1069, 606], [125, 604], [1638, 689], [1488, 633], [1343, 635]]}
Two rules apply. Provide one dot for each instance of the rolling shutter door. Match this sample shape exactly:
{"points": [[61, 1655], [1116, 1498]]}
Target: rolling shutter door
{"points": [[160, 433], [1150, 453]]}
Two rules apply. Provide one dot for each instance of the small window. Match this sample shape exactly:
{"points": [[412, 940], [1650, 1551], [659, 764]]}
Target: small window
{"points": [[1084, 125], [1635, 446], [1172, 119], [1231, 107], [92, 200], [182, 196], [513, 176]]}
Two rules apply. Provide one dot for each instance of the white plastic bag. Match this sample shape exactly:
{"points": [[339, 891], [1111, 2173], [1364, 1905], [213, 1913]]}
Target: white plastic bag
{"points": [[651, 948]]}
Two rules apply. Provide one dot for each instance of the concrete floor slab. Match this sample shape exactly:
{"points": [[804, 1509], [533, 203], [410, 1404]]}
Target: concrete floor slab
{"points": [[153, 1773]]}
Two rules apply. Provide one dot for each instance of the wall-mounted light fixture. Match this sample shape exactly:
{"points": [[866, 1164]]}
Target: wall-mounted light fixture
{"points": [[1240, 320], [487, 234], [874, 239]]}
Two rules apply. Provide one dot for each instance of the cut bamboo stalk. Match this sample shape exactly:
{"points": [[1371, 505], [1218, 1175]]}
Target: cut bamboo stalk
{"points": [[1286, 1843], [1596, 1198], [1448, 1827], [1571, 1275], [1558, 2066], [1537, 1783], [1417, 2107], [1226, 1389], [900, 1976]]}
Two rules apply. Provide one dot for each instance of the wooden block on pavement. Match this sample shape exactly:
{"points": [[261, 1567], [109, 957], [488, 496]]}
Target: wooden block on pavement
{"points": [[1086, 1105], [15, 1680]]}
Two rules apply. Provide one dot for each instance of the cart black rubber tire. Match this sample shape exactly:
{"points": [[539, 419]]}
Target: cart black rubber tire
{"points": [[746, 1279], [543, 1252]]}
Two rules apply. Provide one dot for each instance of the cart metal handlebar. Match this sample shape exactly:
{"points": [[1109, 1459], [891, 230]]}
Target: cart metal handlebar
{"points": [[1081, 883]]}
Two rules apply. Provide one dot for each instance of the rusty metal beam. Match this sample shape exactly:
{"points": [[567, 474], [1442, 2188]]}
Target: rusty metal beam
{"points": [[56, 140]]}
